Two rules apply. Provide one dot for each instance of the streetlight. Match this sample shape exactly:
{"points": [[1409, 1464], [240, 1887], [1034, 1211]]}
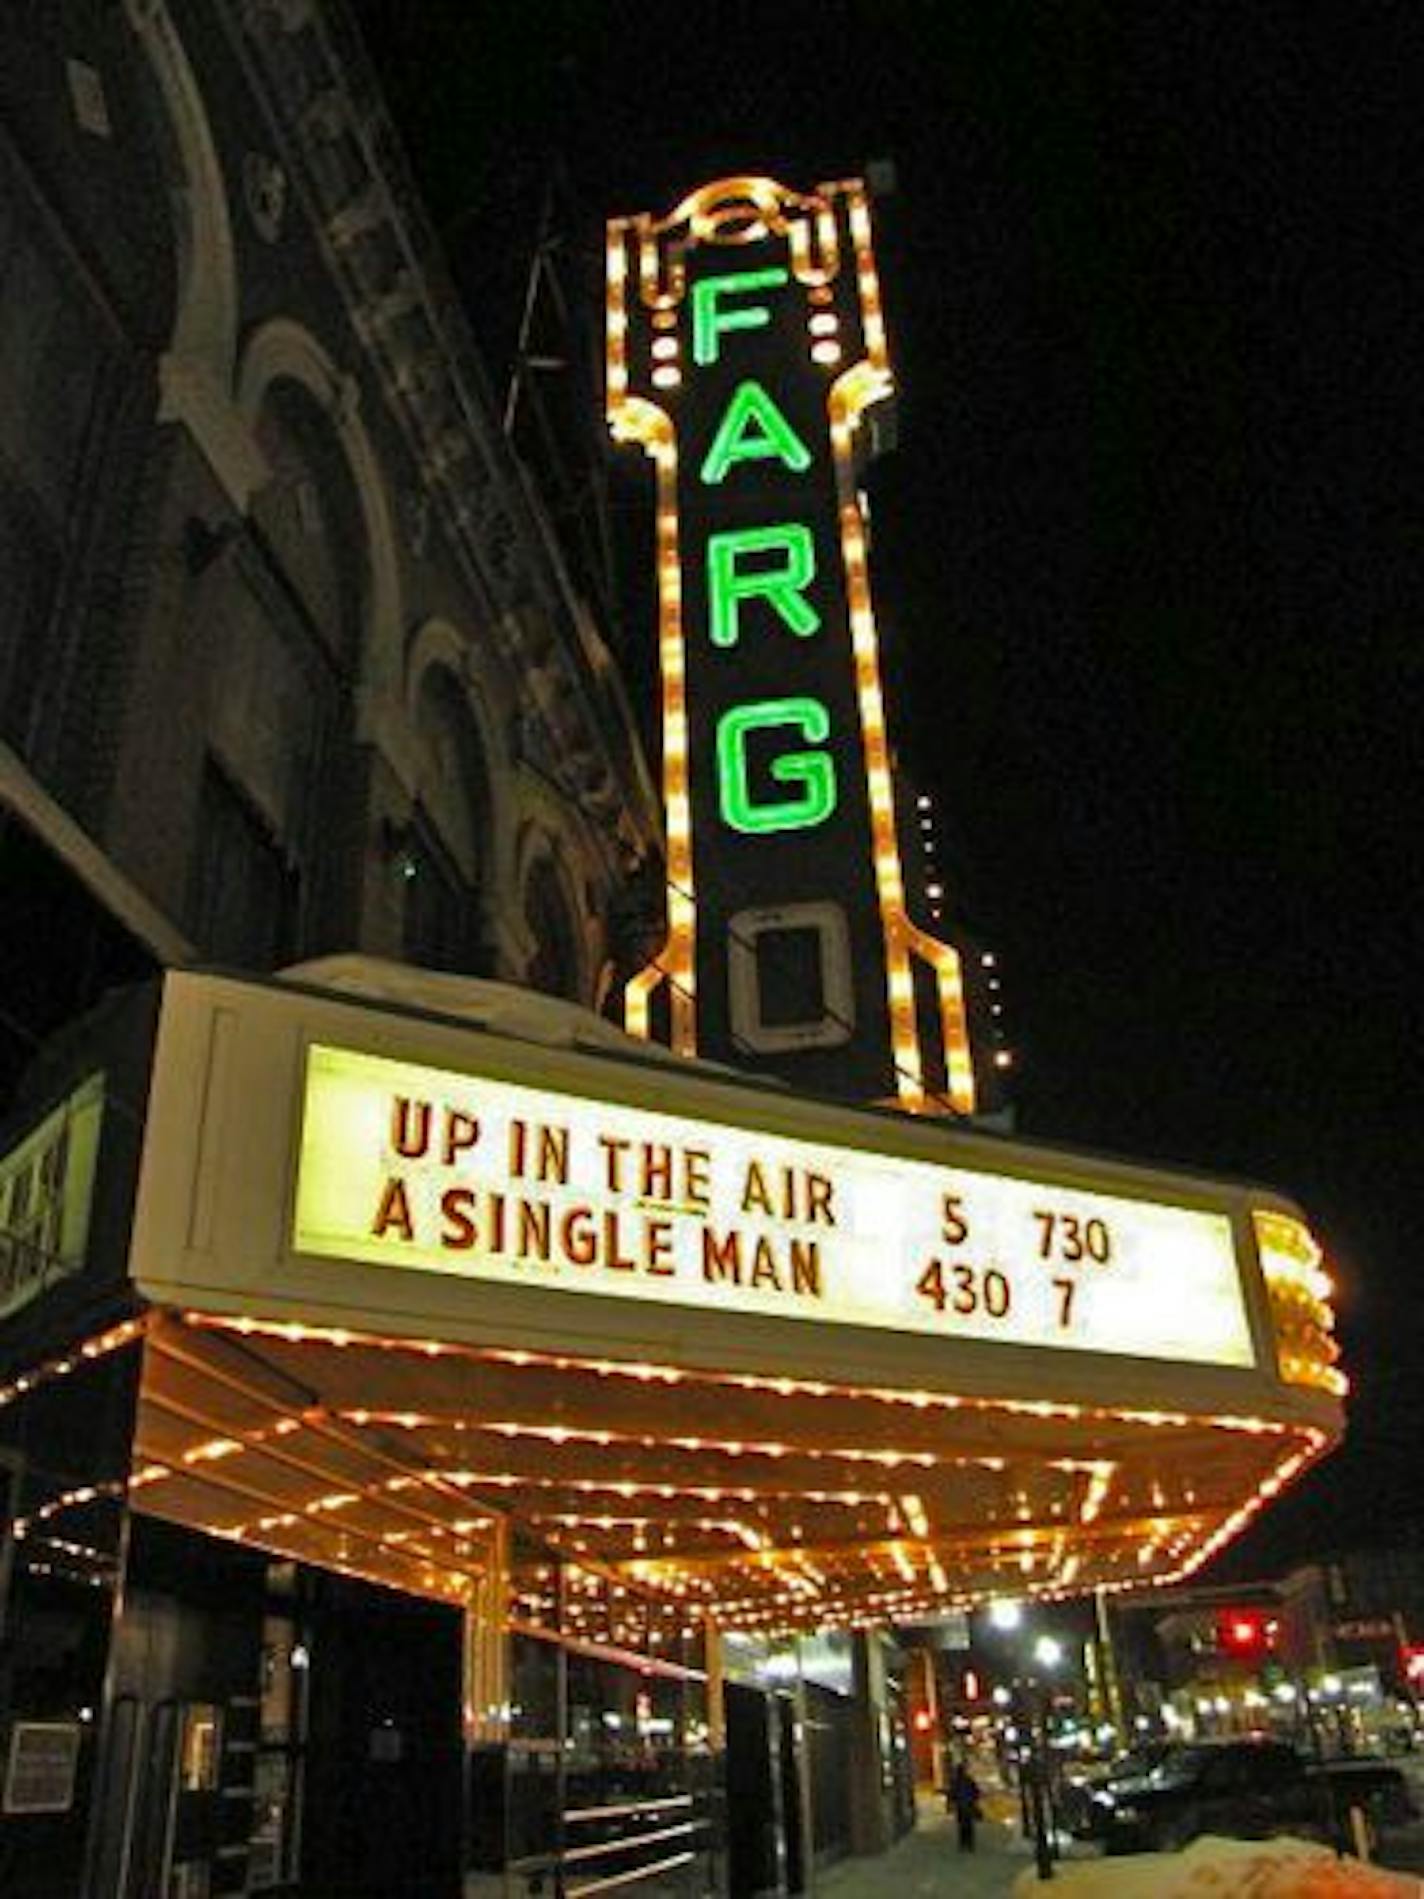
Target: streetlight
{"points": [[1005, 1616], [1047, 1654]]}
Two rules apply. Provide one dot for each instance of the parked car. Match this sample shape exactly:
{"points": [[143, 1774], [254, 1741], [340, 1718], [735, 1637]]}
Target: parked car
{"points": [[1246, 1789], [1080, 1786]]}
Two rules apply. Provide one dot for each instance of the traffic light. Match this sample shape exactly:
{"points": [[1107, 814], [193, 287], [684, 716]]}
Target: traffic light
{"points": [[1248, 1634]]}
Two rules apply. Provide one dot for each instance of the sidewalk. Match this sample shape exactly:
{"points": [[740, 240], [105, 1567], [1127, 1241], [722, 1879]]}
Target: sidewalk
{"points": [[927, 1864]]}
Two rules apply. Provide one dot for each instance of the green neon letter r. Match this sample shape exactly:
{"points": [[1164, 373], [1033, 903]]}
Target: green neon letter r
{"points": [[709, 319], [784, 587], [813, 772]]}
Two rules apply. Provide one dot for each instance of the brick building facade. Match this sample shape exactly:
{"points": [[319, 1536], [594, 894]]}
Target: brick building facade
{"points": [[289, 661]]}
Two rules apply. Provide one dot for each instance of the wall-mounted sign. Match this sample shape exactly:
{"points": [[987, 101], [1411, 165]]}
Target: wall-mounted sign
{"points": [[746, 353], [421, 1168], [46, 1189], [42, 1766]]}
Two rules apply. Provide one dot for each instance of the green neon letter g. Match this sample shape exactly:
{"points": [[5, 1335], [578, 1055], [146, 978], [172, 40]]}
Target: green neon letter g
{"points": [[783, 587], [811, 775], [709, 319]]}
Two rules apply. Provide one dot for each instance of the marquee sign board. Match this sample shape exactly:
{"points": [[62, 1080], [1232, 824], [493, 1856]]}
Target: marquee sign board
{"points": [[746, 349], [420, 1168], [46, 1194]]}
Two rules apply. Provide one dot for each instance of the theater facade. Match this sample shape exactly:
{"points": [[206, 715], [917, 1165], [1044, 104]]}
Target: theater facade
{"points": [[449, 1445]]}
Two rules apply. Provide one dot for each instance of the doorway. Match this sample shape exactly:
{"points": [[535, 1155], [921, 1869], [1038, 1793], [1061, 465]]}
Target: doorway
{"points": [[384, 1797], [176, 1792]]}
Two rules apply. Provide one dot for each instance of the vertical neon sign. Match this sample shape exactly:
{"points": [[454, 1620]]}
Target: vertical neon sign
{"points": [[745, 347]]}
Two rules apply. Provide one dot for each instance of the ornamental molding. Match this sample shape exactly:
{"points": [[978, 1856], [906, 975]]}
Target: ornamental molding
{"points": [[343, 158]]}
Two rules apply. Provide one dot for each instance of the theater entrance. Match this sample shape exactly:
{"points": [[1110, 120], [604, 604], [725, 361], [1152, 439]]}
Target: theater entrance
{"points": [[276, 1729]]}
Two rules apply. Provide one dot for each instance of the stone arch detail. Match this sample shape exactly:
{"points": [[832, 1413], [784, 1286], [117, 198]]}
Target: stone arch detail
{"points": [[196, 373], [283, 347], [542, 855], [439, 647]]}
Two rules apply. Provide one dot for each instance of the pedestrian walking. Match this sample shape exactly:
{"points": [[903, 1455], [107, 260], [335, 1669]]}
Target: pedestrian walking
{"points": [[963, 1802]]}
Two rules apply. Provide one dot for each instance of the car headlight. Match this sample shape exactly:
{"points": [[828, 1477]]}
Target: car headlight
{"points": [[1126, 1816]]}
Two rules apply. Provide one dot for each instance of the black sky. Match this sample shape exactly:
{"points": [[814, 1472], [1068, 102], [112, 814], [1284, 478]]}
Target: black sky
{"points": [[1150, 556]]}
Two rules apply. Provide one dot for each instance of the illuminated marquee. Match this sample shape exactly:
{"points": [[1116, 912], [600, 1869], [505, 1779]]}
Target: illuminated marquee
{"points": [[745, 349], [417, 1167]]}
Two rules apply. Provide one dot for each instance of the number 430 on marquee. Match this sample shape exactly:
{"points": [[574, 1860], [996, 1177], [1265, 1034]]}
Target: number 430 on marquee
{"points": [[967, 1290], [971, 1291]]}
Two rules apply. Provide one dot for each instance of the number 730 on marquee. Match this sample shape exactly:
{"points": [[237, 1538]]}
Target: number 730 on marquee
{"points": [[1018, 1267]]}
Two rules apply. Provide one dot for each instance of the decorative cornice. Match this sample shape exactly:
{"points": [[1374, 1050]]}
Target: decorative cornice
{"points": [[347, 167]]}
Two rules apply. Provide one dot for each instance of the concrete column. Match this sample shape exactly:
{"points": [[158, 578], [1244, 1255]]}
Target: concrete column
{"points": [[870, 1815]]}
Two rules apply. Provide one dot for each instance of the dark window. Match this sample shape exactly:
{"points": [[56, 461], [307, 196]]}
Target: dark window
{"points": [[51, 360], [243, 901], [437, 908], [555, 965], [31, 563], [54, 360]]}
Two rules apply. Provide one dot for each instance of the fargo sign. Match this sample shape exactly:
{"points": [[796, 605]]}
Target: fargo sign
{"points": [[770, 564], [428, 1170], [746, 353]]}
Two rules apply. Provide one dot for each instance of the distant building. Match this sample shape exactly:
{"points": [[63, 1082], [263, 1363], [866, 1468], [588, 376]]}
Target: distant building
{"points": [[1327, 1652]]}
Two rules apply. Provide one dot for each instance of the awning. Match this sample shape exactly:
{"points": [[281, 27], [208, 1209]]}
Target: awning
{"points": [[323, 1380]]}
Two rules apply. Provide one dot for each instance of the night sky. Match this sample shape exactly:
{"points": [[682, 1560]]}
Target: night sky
{"points": [[1149, 557]]}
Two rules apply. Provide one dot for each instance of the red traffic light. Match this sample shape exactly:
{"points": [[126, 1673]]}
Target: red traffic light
{"points": [[1246, 1632]]}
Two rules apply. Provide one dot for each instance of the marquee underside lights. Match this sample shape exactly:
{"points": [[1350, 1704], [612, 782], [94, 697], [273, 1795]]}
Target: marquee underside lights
{"points": [[745, 345], [786, 1507], [775, 1360]]}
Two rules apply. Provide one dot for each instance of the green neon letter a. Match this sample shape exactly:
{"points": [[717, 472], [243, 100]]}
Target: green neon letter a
{"points": [[811, 775], [754, 429], [709, 319], [784, 587]]}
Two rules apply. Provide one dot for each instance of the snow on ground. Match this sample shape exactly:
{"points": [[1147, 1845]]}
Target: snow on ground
{"points": [[1227, 1869]]}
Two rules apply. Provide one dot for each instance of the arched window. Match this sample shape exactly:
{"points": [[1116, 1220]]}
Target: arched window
{"points": [[281, 624], [447, 861], [556, 966], [309, 517]]}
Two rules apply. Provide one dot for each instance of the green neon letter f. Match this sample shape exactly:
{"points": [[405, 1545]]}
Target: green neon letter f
{"points": [[709, 319]]}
